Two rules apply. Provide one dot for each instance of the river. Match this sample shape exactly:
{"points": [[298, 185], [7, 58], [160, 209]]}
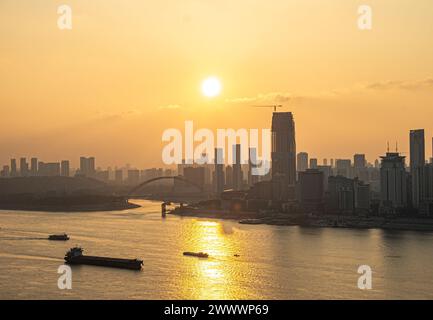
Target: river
{"points": [[274, 262]]}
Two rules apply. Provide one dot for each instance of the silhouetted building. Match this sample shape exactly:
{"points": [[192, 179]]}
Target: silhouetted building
{"points": [[283, 156], [417, 163], [229, 177], [24, 167], [51, 169], [327, 172], [314, 163], [118, 176], [311, 190], [252, 164], [237, 169], [64, 168], [302, 161], [343, 167], [219, 171], [341, 195], [133, 177], [393, 182], [194, 175], [5, 172], [87, 166], [33, 166], [14, 172]]}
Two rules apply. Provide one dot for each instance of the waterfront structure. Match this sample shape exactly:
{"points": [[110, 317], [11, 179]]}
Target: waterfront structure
{"points": [[283, 156]]}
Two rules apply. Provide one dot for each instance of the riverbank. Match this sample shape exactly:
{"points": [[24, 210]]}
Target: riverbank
{"points": [[70, 208], [325, 221]]}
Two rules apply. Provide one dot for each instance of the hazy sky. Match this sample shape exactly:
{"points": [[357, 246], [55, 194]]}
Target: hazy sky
{"points": [[130, 69]]}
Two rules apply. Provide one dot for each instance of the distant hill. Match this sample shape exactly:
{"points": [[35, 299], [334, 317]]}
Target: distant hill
{"points": [[51, 185]]}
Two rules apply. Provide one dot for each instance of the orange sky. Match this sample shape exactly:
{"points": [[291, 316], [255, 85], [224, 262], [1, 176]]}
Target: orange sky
{"points": [[130, 69]]}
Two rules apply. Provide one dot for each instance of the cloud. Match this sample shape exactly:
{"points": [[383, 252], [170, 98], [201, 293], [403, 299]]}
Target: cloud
{"points": [[170, 107], [402, 85], [268, 98]]}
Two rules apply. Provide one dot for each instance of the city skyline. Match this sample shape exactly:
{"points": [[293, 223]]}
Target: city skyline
{"points": [[113, 96]]}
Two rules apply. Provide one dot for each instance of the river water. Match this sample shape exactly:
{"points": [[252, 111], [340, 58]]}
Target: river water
{"points": [[274, 262]]}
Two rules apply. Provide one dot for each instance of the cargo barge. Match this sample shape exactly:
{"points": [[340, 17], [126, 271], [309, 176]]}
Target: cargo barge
{"points": [[75, 256], [196, 254], [58, 237]]}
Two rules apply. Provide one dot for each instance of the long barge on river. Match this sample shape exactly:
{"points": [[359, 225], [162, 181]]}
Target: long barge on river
{"points": [[76, 256]]}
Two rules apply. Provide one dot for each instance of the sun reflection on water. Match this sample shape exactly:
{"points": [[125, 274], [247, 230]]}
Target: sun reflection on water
{"points": [[211, 278]]}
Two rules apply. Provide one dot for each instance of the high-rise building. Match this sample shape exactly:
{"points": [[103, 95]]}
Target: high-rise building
{"points": [[311, 190], [314, 163], [283, 156], [359, 161], [219, 171], [417, 163], [87, 166], [229, 177], [49, 169], [253, 177], [64, 168], [237, 169], [195, 175], [393, 181], [133, 177], [34, 167], [24, 167], [5, 172], [118, 176], [14, 172], [302, 161], [344, 167]]}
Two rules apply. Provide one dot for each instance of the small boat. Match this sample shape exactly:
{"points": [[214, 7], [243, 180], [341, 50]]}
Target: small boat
{"points": [[236, 255], [59, 237], [196, 254], [75, 256]]}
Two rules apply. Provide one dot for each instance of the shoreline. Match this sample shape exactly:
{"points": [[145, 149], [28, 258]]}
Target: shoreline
{"points": [[70, 208], [325, 221]]}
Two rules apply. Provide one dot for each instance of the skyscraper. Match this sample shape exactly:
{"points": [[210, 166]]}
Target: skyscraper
{"points": [[314, 163], [283, 156], [34, 167], [24, 167], [302, 161], [14, 168], [87, 166], [252, 163], [417, 163], [237, 169], [393, 181], [219, 171], [64, 168]]}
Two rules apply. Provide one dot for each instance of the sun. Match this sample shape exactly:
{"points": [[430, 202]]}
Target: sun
{"points": [[211, 87]]}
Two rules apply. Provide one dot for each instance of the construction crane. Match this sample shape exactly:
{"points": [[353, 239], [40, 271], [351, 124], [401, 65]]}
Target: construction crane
{"points": [[270, 106]]}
